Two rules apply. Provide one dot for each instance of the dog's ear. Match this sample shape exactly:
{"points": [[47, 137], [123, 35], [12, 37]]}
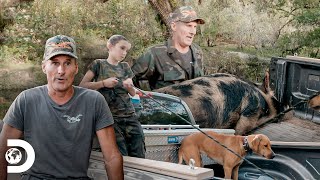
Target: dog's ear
{"points": [[265, 87], [255, 142]]}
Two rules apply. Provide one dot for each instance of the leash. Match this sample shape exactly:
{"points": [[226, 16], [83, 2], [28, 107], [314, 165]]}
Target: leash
{"points": [[195, 127], [284, 112]]}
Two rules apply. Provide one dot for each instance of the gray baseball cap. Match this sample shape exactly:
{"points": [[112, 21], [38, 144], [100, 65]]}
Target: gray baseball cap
{"points": [[60, 45]]}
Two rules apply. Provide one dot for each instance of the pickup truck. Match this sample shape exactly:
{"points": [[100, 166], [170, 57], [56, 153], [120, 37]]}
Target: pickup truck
{"points": [[296, 140]]}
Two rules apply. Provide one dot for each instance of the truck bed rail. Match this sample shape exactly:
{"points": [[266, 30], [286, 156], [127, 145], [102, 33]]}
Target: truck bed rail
{"points": [[166, 169]]}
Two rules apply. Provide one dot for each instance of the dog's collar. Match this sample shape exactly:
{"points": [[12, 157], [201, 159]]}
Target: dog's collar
{"points": [[246, 145]]}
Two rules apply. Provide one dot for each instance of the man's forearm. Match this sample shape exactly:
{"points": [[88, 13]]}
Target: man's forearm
{"points": [[3, 162], [114, 168], [3, 169], [8, 132]]}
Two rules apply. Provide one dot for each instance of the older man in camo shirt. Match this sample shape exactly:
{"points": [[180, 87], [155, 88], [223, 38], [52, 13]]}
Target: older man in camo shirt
{"points": [[176, 60]]}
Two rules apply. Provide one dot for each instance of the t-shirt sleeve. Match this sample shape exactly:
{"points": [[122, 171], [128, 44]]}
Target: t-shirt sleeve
{"points": [[94, 67], [103, 114], [14, 116]]}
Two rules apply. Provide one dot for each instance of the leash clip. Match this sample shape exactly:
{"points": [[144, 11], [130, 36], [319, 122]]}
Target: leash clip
{"points": [[191, 164], [246, 146]]}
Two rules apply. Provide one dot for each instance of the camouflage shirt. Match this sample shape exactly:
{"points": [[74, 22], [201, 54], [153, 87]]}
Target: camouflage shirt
{"points": [[163, 65], [118, 99]]}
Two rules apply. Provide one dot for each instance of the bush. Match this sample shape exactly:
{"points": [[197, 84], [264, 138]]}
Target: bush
{"points": [[91, 23], [245, 66]]}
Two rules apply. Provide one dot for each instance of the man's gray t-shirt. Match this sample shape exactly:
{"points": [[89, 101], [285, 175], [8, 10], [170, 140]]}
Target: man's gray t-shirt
{"points": [[61, 135]]}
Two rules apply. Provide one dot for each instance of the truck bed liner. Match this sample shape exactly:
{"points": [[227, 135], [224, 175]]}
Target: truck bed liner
{"points": [[292, 130]]}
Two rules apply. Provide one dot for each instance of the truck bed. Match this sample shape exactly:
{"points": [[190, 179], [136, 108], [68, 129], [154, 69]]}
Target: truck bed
{"points": [[292, 130]]}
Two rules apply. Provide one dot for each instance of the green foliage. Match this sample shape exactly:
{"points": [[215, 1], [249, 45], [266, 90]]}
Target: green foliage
{"points": [[263, 28], [310, 17], [91, 23], [225, 60], [14, 54], [304, 39]]}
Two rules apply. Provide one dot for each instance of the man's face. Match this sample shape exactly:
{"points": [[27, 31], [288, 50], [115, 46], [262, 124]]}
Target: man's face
{"points": [[183, 33], [60, 71]]}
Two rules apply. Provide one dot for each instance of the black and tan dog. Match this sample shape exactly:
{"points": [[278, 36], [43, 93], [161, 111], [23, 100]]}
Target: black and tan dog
{"points": [[224, 101], [195, 144]]}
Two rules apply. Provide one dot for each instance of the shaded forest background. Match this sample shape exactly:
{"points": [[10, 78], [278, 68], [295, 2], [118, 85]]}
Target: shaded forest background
{"points": [[239, 37]]}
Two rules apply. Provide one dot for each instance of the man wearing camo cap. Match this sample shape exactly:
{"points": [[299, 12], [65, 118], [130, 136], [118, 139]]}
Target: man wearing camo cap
{"points": [[176, 60], [59, 121]]}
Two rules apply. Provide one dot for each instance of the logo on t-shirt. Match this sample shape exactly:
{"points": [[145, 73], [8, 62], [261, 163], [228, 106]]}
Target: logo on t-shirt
{"points": [[73, 119]]}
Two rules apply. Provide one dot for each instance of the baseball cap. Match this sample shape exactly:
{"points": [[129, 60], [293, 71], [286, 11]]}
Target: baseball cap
{"points": [[185, 14], [60, 45]]}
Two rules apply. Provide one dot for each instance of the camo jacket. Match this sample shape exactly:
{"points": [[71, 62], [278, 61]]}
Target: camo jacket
{"points": [[117, 98], [162, 65]]}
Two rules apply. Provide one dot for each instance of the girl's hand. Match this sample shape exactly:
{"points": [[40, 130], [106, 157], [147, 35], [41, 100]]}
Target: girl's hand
{"points": [[128, 84], [110, 82]]}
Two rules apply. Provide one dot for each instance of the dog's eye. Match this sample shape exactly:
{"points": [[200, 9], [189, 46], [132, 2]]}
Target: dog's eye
{"points": [[266, 145]]}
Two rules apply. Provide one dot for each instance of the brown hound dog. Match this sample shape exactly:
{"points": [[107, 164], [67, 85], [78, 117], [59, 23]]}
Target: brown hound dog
{"points": [[195, 144], [314, 102]]}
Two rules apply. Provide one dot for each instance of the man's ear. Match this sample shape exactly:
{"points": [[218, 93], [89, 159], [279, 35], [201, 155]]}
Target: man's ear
{"points": [[109, 46], [77, 68], [44, 67], [173, 26]]}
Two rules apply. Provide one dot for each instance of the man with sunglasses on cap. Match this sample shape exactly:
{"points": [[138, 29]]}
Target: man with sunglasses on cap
{"points": [[176, 60], [59, 121]]}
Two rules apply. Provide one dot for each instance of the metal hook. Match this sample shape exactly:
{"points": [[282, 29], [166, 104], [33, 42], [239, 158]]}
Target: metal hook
{"points": [[191, 164]]}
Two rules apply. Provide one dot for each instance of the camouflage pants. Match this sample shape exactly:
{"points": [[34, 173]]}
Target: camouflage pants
{"points": [[130, 138]]}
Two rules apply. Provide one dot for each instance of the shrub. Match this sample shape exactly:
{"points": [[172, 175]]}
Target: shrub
{"points": [[90, 23]]}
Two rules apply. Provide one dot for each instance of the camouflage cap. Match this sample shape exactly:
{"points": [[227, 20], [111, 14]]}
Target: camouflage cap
{"points": [[185, 14], [60, 45]]}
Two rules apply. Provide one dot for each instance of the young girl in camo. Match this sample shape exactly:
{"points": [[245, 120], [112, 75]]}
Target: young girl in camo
{"points": [[113, 79]]}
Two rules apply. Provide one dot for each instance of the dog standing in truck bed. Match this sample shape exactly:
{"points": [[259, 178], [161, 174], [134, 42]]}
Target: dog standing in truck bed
{"points": [[195, 144], [224, 101]]}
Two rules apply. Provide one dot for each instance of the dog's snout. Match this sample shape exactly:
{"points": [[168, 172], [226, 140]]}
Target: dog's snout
{"points": [[272, 155]]}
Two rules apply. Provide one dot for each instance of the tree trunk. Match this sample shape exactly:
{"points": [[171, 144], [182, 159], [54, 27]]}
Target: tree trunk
{"points": [[164, 8]]}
